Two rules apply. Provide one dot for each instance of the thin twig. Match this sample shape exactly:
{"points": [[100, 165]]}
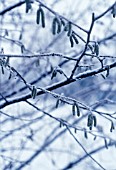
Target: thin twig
{"points": [[12, 7], [87, 42], [60, 16], [85, 149], [39, 56], [105, 12]]}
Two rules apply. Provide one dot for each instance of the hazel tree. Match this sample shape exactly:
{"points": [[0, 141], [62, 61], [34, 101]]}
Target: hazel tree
{"points": [[57, 84]]}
